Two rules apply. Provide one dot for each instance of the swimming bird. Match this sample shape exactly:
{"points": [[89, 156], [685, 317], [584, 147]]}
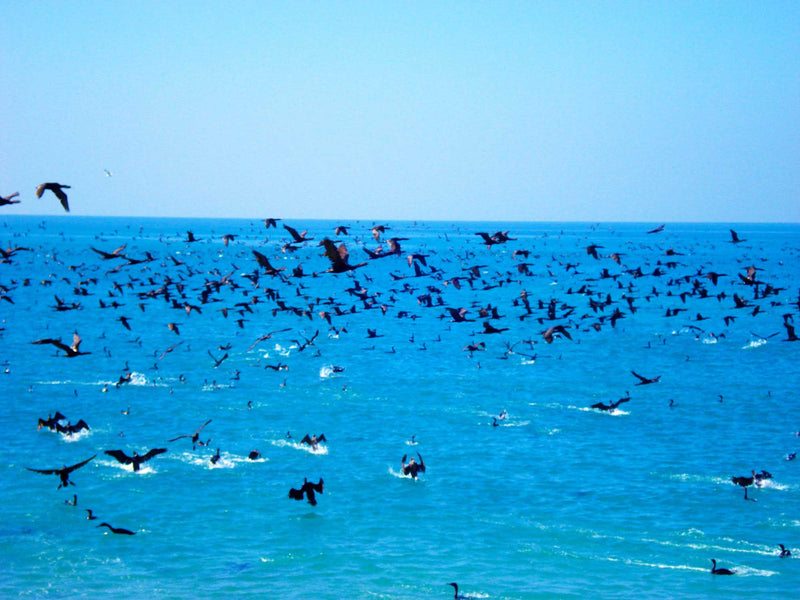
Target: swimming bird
{"points": [[136, 460], [70, 351], [556, 331], [63, 472], [297, 237], [117, 530], [308, 489], [455, 592], [215, 458], [716, 571], [785, 551], [57, 189], [195, 436], [90, 515]]}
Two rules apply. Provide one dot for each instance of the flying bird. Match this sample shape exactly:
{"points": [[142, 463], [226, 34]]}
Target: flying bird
{"points": [[63, 472], [57, 189], [6, 200], [195, 436], [70, 351], [645, 380], [308, 489]]}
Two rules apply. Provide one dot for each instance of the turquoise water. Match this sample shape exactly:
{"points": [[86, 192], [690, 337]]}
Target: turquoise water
{"points": [[559, 501]]}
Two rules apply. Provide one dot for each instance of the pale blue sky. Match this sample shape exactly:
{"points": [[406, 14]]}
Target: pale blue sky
{"points": [[536, 111]]}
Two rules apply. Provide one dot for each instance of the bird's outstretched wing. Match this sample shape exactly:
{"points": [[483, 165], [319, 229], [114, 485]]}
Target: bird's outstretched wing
{"points": [[151, 453], [639, 377], [79, 465], [306, 440], [57, 343], [321, 438], [120, 456], [296, 494]]}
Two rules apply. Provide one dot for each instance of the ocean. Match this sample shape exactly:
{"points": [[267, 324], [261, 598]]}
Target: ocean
{"points": [[528, 492]]}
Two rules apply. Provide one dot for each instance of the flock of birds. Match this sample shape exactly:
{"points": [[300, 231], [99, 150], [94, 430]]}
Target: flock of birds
{"points": [[612, 290]]}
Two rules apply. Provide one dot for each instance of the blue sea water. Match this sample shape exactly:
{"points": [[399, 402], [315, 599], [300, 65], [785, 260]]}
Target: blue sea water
{"points": [[559, 501]]}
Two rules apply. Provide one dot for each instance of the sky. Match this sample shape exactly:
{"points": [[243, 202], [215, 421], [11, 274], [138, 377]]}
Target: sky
{"points": [[470, 111]]}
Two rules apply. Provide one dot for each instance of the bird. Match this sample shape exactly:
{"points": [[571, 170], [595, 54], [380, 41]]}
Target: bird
{"points": [[455, 592], [6, 200], [308, 489], [413, 467], [785, 551], [611, 405], [313, 441], [136, 460], [339, 257], [645, 380], [57, 189], [63, 472], [90, 515], [297, 237], [70, 351], [51, 421], [716, 571], [117, 530], [195, 436], [735, 239]]}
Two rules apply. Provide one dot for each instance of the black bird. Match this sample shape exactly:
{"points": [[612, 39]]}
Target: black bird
{"points": [[785, 551], [308, 489], [69, 428], [63, 472], [117, 530], [70, 351], [611, 405], [716, 571], [57, 189], [297, 237], [6, 200], [645, 380], [735, 238], [195, 436], [413, 467], [339, 257], [455, 592], [135, 460], [90, 515], [51, 421], [313, 441]]}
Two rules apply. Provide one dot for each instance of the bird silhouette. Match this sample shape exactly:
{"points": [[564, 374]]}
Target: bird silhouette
{"points": [[195, 436], [70, 351], [57, 189], [309, 490], [117, 530], [136, 460], [63, 472], [716, 571]]}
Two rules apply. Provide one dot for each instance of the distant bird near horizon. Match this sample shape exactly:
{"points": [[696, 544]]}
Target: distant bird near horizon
{"points": [[735, 237], [57, 189]]}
